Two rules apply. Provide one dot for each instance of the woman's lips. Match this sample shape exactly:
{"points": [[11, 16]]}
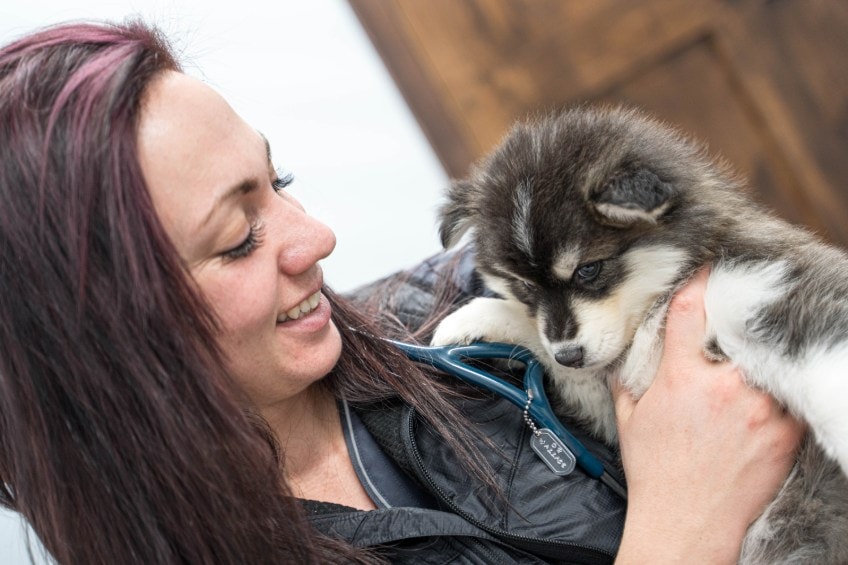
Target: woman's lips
{"points": [[302, 309], [314, 317]]}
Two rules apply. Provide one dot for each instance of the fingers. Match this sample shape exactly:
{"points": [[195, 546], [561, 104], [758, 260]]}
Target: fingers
{"points": [[786, 431]]}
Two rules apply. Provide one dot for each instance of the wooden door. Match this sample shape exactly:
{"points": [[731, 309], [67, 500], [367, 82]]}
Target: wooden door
{"points": [[765, 83]]}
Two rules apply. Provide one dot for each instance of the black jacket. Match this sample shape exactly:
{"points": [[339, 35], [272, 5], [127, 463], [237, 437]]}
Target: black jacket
{"points": [[544, 519]]}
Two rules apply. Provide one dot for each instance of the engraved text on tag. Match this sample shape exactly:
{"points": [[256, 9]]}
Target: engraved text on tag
{"points": [[552, 451]]}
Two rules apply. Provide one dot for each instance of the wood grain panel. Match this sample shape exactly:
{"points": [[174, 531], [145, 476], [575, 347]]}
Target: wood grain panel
{"points": [[694, 90], [764, 82], [799, 84]]}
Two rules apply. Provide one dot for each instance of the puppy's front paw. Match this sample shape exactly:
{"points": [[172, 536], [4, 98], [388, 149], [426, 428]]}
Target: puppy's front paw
{"points": [[459, 328], [485, 319]]}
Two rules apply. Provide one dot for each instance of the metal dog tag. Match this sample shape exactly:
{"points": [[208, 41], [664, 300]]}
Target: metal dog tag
{"points": [[552, 451]]}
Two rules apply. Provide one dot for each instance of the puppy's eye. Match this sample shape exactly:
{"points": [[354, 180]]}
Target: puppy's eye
{"points": [[588, 272]]}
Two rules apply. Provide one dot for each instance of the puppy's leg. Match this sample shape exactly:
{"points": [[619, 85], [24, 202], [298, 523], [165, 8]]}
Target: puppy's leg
{"points": [[487, 319], [824, 376], [811, 382]]}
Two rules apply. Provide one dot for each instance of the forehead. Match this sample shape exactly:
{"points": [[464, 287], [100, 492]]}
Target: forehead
{"points": [[192, 147], [541, 230]]}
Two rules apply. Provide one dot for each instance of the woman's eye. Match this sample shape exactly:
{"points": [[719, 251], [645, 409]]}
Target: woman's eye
{"points": [[282, 181], [246, 247], [589, 271]]}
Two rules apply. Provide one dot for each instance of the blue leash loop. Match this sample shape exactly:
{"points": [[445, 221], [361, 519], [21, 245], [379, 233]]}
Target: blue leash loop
{"points": [[450, 359]]}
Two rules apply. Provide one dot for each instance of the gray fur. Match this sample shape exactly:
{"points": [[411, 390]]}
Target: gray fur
{"points": [[614, 182]]}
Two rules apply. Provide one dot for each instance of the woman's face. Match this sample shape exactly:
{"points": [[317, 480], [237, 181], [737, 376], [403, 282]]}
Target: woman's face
{"points": [[250, 246]]}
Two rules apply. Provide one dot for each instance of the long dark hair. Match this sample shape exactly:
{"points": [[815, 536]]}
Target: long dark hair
{"points": [[122, 439]]}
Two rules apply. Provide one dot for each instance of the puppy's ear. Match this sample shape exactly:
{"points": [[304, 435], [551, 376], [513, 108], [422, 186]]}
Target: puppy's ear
{"points": [[632, 197], [456, 214]]}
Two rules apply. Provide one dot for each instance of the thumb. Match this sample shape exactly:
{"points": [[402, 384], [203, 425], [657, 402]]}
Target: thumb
{"points": [[686, 320]]}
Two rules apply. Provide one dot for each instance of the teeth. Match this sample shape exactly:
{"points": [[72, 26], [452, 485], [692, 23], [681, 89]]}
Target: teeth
{"points": [[302, 309]]}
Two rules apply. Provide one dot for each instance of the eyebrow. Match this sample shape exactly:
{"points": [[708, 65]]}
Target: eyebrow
{"points": [[244, 187]]}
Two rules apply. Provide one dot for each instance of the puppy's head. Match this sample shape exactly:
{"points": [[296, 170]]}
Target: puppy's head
{"points": [[586, 218]]}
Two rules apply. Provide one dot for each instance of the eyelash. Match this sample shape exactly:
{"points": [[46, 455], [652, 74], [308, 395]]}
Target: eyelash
{"points": [[250, 243], [282, 181]]}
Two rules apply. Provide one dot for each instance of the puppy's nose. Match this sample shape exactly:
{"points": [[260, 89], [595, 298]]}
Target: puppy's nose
{"points": [[571, 356]]}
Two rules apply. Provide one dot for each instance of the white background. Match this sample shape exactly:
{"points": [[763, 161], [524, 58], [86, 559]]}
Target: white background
{"points": [[305, 74]]}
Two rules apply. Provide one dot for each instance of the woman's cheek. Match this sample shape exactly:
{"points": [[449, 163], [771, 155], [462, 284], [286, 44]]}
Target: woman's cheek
{"points": [[243, 300]]}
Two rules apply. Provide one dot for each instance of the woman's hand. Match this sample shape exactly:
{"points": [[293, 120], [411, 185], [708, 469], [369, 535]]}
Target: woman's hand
{"points": [[703, 453]]}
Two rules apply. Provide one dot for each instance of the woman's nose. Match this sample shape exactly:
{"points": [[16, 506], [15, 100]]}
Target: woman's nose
{"points": [[305, 241]]}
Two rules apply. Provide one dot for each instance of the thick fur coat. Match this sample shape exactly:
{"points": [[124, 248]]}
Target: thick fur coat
{"points": [[586, 222]]}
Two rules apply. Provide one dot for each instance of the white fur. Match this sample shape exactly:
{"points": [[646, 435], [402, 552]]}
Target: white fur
{"points": [[586, 394], [735, 293], [813, 385], [643, 358], [491, 319], [821, 387], [607, 325], [498, 285]]}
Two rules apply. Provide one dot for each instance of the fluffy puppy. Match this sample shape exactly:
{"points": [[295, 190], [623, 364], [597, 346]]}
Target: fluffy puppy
{"points": [[586, 222]]}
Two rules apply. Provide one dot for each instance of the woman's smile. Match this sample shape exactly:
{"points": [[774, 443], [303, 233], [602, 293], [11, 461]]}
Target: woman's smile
{"points": [[311, 315], [302, 309]]}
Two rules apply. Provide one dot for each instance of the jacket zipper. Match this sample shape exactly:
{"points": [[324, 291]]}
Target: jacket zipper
{"points": [[500, 533]]}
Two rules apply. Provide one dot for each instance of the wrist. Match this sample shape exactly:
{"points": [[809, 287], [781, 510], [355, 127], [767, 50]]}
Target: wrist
{"points": [[664, 540]]}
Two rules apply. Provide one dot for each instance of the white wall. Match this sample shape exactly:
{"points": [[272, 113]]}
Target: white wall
{"points": [[304, 73]]}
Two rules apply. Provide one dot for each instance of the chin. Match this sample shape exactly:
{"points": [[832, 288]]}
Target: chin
{"points": [[319, 359]]}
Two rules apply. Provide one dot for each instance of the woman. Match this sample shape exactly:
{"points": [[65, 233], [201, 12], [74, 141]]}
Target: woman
{"points": [[172, 366]]}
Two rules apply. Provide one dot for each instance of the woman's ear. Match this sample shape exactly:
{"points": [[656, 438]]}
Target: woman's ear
{"points": [[632, 197]]}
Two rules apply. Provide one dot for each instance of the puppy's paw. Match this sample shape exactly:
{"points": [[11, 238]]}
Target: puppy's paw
{"points": [[487, 319], [460, 327]]}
